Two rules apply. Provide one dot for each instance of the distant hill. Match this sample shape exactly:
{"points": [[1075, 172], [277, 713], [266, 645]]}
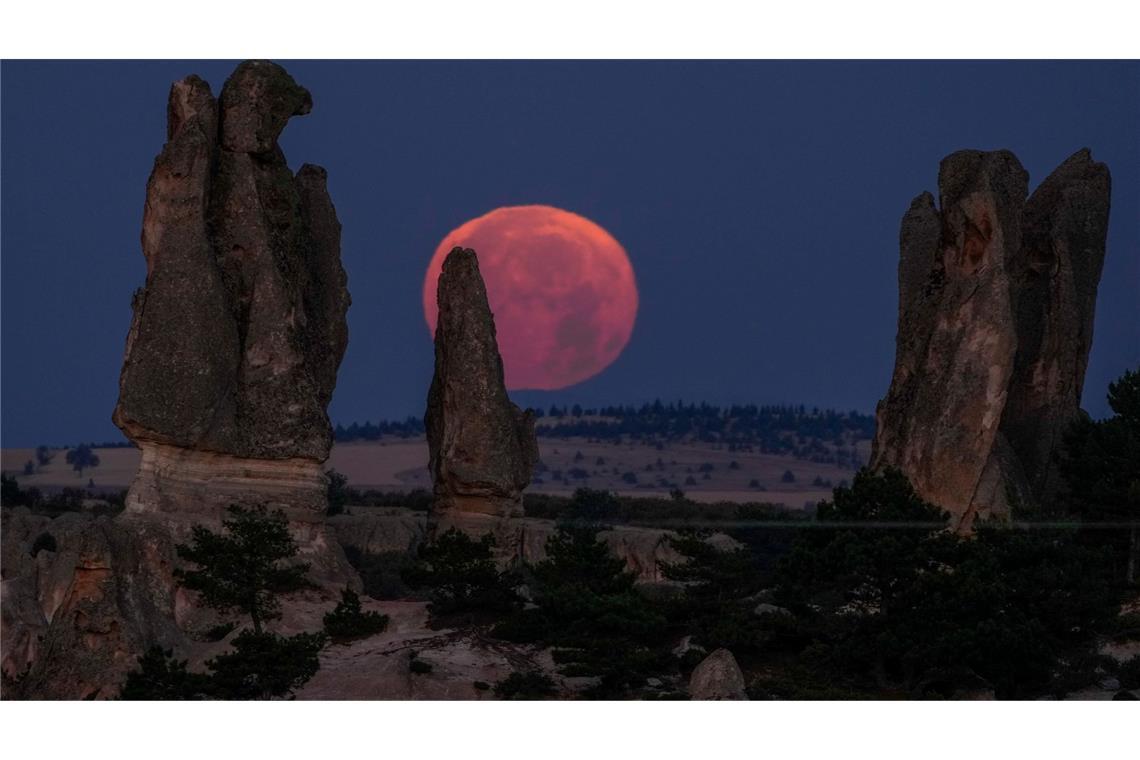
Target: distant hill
{"points": [[817, 435]]}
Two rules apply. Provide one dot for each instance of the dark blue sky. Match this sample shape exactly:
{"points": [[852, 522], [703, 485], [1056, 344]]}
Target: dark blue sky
{"points": [[759, 203]]}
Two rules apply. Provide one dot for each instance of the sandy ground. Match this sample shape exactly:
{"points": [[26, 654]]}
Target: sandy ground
{"points": [[397, 464]]}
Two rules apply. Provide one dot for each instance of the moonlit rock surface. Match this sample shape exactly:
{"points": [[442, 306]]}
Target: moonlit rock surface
{"points": [[717, 677], [482, 447], [238, 333], [996, 303]]}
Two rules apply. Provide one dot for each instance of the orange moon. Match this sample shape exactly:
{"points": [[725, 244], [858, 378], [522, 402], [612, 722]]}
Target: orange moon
{"points": [[561, 289]]}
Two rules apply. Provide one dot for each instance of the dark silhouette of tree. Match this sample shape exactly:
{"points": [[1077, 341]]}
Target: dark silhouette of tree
{"points": [[788, 477], [897, 602], [337, 492], [160, 676], [44, 455], [588, 611], [262, 666], [461, 577], [1102, 468], [348, 621], [81, 458], [244, 568]]}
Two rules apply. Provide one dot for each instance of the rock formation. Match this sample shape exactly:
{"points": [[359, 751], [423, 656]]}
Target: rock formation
{"points": [[717, 677], [230, 364], [482, 448], [233, 350], [996, 303]]}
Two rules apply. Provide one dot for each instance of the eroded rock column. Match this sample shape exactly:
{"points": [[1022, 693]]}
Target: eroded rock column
{"points": [[996, 301], [237, 335], [482, 447]]}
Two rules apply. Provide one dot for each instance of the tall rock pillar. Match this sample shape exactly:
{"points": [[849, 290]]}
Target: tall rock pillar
{"points": [[482, 447], [996, 301], [237, 335]]}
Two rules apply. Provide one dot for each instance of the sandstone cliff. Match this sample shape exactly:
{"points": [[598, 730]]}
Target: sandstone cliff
{"points": [[996, 303]]}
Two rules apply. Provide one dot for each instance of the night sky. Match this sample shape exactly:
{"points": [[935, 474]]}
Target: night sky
{"points": [[759, 203]]}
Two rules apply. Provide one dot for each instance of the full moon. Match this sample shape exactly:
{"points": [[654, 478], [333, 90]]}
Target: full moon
{"points": [[561, 289]]}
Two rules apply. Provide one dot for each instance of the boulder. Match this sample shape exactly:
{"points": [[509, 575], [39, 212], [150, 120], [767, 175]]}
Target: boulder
{"points": [[717, 677], [764, 608]]}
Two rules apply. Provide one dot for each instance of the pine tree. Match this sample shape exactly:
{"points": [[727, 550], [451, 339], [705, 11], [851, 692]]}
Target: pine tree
{"points": [[242, 569]]}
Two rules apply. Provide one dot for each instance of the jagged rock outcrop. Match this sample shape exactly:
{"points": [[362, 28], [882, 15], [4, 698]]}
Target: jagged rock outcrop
{"points": [[996, 303], [231, 361], [482, 448], [237, 335]]}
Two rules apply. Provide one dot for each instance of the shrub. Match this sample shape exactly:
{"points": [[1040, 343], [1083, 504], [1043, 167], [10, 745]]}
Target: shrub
{"points": [[915, 608], [589, 613], [528, 685], [1129, 673], [265, 665], [162, 677], [461, 577], [348, 621]]}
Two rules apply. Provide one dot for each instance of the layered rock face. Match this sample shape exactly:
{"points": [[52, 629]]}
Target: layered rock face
{"points": [[236, 338], [482, 448], [996, 302]]}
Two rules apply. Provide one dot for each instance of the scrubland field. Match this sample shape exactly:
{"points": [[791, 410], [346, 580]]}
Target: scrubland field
{"points": [[705, 472]]}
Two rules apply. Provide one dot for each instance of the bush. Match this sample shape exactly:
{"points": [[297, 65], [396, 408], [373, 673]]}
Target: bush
{"points": [[588, 611], [916, 609], [715, 608], [265, 665], [1129, 673], [348, 621], [528, 685], [461, 577], [419, 667], [260, 666], [162, 677]]}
